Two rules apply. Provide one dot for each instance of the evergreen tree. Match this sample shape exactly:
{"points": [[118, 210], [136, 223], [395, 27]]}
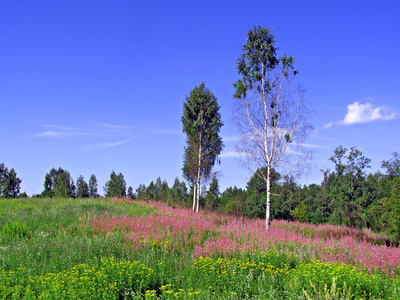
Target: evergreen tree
{"points": [[116, 186], [11, 185], [212, 197], [157, 194], [93, 186], [150, 191], [202, 123], [3, 176], [82, 188], [141, 192], [131, 195], [179, 191]]}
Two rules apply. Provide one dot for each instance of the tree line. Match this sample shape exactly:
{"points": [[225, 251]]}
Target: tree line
{"points": [[348, 195]]}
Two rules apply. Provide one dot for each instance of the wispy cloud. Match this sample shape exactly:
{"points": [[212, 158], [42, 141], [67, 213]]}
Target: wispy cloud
{"points": [[54, 131], [103, 145], [309, 145], [230, 154], [166, 131], [97, 134], [52, 134], [364, 113], [99, 129], [112, 126], [49, 134]]}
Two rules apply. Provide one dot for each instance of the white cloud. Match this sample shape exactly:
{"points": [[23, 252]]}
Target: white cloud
{"points": [[103, 145], [364, 113]]}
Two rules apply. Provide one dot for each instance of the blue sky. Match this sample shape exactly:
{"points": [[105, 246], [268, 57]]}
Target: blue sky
{"points": [[97, 86]]}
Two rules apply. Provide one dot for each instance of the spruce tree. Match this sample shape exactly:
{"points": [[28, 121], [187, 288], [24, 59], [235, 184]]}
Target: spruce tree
{"points": [[116, 186], [93, 186], [212, 198], [82, 188], [11, 185]]}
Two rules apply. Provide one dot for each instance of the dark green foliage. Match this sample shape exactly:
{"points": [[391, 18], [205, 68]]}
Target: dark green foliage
{"points": [[160, 191], [93, 186], [392, 166], [233, 201], [284, 199], [9, 182], [255, 203], [150, 191], [58, 183], [180, 192], [190, 162], [384, 215], [212, 199], [82, 188], [130, 193], [116, 186], [258, 58], [347, 185], [141, 192], [23, 195], [202, 121], [255, 197], [3, 176]]}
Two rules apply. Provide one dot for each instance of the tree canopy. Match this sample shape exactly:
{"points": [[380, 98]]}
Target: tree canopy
{"points": [[58, 183]]}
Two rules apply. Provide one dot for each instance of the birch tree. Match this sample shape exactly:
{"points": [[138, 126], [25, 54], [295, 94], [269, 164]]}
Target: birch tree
{"points": [[270, 113], [202, 123]]}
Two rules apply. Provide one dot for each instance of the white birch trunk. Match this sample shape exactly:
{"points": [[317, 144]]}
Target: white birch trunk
{"points": [[194, 195], [198, 178], [198, 196], [268, 208]]}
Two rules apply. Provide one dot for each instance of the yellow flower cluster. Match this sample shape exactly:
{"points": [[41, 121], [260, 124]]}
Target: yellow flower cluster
{"points": [[318, 274], [229, 267], [169, 292], [94, 280]]}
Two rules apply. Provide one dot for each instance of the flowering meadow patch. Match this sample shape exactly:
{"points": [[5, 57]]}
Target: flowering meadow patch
{"points": [[207, 234]]}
